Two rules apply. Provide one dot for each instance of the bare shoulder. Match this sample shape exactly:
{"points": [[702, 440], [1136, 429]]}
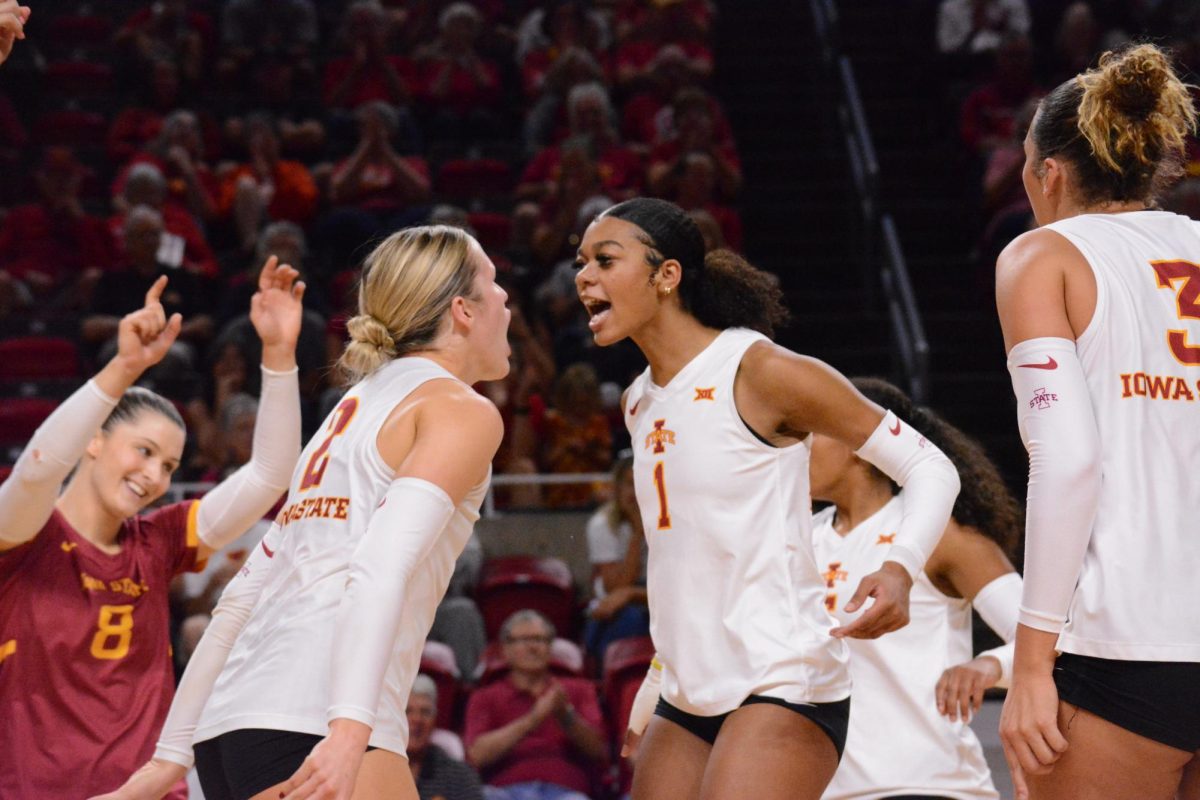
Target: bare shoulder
{"points": [[770, 367], [453, 403], [966, 560], [1032, 276]]}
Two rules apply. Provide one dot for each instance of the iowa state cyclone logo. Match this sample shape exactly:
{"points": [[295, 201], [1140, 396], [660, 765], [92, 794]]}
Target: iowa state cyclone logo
{"points": [[1042, 399], [660, 437]]}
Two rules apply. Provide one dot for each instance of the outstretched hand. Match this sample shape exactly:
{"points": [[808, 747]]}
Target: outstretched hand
{"points": [[13, 17], [276, 309], [889, 588], [145, 336]]}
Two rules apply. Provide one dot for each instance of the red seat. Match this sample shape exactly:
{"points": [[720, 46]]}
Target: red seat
{"points": [[20, 417], [31, 358], [5, 471], [625, 665], [72, 128], [474, 177], [511, 583], [437, 661], [566, 659], [491, 228], [78, 78]]}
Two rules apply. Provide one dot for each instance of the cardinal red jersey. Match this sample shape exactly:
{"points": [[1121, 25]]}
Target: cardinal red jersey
{"points": [[85, 654]]}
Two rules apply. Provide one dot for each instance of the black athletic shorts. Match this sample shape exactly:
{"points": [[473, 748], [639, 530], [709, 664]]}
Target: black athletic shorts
{"points": [[832, 718], [240, 764], [1156, 699]]}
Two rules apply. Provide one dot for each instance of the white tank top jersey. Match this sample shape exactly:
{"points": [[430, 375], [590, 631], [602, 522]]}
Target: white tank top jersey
{"points": [[278, 673], [1136, 595], [895, 677], [737, 604]]}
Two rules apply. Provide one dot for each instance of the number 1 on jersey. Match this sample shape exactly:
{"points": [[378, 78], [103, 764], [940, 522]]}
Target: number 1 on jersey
{"points": [[660, 484]]}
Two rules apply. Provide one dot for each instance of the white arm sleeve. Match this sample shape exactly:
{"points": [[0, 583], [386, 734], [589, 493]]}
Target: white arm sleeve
{"points": [[240, 500], [402, 530], [998, 603], [1058, 426], [930, 484], [646, 698], [27, 497], [206, 663]]}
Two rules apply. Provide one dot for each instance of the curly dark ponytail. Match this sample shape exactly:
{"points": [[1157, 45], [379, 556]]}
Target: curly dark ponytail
{"points": [[984, 502]]}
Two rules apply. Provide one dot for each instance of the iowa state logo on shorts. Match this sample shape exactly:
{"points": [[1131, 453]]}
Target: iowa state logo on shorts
{"points": [[660, 437]]}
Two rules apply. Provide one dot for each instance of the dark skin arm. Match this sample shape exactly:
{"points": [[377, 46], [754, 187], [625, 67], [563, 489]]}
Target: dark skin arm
{"points": [[784, 397]]}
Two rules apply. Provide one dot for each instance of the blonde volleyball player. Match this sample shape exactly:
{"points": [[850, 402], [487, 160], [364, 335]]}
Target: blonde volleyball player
{"points": [[921, 680], [1101, 318], [755, 694], [318, 640]]}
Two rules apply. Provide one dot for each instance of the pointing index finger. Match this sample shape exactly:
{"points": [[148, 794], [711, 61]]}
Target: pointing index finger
{"points": [[266, 278], [154, 293]]}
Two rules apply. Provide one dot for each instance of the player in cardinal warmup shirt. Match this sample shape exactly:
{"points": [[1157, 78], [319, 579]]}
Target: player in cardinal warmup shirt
{"points": [[85, 667], [314, 647], [755, 689], [1101, 320], [915, 689]]}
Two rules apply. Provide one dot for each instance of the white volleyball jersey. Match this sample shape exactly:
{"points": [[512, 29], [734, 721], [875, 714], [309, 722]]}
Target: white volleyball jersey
{"points": [[736, 600], [898, 743], [1136, 595], [278, 672]]}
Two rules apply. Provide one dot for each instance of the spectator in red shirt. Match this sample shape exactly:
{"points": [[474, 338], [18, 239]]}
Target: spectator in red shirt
{"points": [[661, 24], [266, 187], [455, 81], [368, 73], [167, 30], [649, 116], [178, 152], [592, 120], [375, 190], [695, 132], [988, 113], [534, 736], [551, 32], [184, 244], [695, 190], [557, 233], [137, 125], [46, 247]]}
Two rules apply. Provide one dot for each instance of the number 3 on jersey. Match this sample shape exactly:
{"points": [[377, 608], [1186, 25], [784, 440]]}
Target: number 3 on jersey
{"points": [[660, 486], [315, 470], [1187, 301]]}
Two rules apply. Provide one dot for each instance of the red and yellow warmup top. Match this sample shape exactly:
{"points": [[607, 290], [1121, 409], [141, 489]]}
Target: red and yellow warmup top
{"points": [[85, 653]]}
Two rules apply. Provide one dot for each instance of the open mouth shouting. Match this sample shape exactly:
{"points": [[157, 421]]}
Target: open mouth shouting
{"points": [[598, 310]]}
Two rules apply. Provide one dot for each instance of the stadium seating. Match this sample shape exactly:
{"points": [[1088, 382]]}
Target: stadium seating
{"points": [[512, 583], [437, 661], [34, 358]]}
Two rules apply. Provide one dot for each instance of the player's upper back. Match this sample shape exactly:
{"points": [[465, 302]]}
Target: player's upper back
{"points": [[341, 475], [1147, 269]]}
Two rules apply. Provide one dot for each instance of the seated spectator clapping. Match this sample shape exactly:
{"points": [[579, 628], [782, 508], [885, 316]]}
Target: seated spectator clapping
{"points": [[533, 735]]}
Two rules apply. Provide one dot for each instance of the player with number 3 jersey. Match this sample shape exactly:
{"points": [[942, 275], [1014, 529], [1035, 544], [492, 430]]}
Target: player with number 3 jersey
{"points": [[85, 667], [1100, 308]]}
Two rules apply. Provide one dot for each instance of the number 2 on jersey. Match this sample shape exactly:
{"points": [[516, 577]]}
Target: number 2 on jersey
{"points": [[1187, 301], [315, 470], [660, 485]]}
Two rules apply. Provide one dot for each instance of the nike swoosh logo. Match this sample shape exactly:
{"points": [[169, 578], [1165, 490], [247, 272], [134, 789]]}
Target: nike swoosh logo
{"points": [[1050, 364], [270, 553], [633, 410], [896, 430]]}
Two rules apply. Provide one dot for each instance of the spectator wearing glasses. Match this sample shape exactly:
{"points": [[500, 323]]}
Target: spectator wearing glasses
{"points": [[534, 736]]}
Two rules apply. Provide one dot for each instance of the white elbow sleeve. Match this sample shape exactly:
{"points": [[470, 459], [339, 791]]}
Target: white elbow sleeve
{"points": [[243, 498], [930, 484], [402, 530], [646, 699], [27, 497], [1058, 426], [206, 663], [998, 604]]}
